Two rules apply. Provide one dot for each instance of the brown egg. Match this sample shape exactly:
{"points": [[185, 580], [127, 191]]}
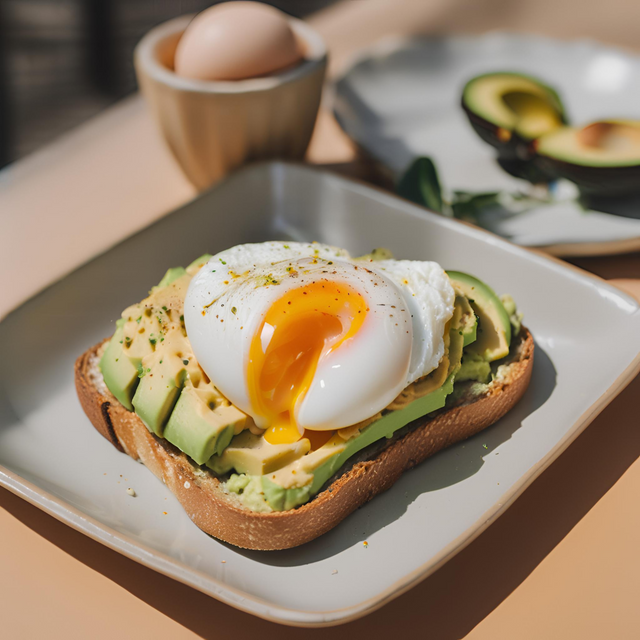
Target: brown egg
{"points": [[236, 40]]}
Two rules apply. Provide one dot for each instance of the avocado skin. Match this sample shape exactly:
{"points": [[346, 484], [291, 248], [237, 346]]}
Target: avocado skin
{"points": [[593, 181], [516, 156], [514, 149]]}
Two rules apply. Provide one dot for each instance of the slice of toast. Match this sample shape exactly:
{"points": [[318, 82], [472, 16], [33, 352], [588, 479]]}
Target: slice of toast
{"points": [[223, 516]]}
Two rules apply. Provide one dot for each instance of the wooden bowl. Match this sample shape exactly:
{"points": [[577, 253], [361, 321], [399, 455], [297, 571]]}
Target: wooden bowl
{"points": [[213, 127]]}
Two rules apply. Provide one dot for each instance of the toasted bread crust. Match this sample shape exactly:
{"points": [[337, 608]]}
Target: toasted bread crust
{"points": [[223, 516]]}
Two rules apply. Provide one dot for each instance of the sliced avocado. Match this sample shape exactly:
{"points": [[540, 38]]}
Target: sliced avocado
{"points": [[163, 374], [137, 332], [602, 158], [119, 373], [516, 103], [494, 327], [141, 333], [468, 323], [157, 394], [200, 429], [435, 379], [509, 110], [252, 454]]}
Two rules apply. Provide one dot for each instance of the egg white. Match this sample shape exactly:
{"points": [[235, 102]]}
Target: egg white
{"points": [[401, 340]]}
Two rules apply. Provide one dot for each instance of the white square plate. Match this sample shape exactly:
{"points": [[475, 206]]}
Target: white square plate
{"points": [[588, 340]]}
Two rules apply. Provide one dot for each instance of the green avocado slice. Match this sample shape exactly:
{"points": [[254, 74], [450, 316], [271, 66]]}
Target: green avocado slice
{"points": [[157, 393], [163, 374], [252, 454], [494, 327], [136, 334], [119, 373], [199, 430], [474, 367]]}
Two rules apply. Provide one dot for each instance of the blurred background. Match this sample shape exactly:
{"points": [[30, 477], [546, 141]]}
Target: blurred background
{"points": [[62, 61]]}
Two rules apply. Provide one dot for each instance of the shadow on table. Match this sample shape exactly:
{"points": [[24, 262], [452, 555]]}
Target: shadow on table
{"points": [[451, 601]]}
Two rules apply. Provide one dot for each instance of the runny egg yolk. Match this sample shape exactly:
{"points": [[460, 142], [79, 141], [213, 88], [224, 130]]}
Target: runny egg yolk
{"points": [[299, 329]]}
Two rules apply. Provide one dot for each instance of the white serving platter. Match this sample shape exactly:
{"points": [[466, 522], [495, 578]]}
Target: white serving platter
{"points": [[401, 99], [588, 344]]}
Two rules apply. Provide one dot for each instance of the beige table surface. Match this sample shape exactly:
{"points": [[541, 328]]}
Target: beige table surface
{"points": [[562, 563]]}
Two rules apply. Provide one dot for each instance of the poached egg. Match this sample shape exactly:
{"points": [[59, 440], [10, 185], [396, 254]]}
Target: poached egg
{"points": [[303, 337]]}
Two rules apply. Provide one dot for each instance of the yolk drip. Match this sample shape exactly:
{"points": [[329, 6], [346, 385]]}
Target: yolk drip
{"points": [[300, 328]]}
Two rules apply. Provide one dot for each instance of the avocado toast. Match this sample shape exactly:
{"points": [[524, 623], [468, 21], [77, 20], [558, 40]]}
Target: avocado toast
{"points": [[251, 493]]}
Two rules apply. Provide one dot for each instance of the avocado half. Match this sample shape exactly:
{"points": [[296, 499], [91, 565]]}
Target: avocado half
{"points": [[601, 158], [508, 111]]}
